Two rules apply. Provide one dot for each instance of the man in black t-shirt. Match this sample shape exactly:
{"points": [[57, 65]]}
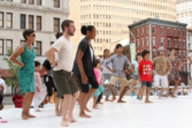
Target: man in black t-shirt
{"points": [[48, 80]]}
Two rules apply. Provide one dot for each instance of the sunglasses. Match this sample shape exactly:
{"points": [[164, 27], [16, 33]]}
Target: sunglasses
{"points": [[33, 35]]}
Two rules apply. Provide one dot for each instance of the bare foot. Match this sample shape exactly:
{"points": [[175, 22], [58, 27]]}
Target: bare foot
{"points": [[86, 109], [173, 96], [64, 123], [113, 99], [57, 113], [31, 116], [71, 119], [84, 116], [24, 116], [95, 107], [107, 100], [100, 103], [148, 101], [121, 101]]}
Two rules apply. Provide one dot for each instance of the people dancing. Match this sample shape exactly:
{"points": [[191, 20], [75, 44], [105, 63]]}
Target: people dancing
{"points": [[83, 69], [99, 92], [63, 64], [145, 71], [40, 91], [162, 67], [106, 73], [26, 65], [174, 74], [135, 76], [118, 61]]}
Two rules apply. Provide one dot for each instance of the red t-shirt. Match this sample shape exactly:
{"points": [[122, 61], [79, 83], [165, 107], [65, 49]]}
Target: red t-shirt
{"points": [[146, 70]]}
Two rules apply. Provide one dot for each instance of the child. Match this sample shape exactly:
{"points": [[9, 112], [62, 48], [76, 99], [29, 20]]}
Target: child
{"points": [[40, 92], [100, 90], [145, 75]]}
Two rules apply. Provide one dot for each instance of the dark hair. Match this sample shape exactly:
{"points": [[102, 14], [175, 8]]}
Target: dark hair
{"points": [[27, 32], [104, 52], [138, 54], [84, 29], [118, 46], [97, 61], [145, 52], [58, 35], [66, 23], [37, 63], [172, 49]]}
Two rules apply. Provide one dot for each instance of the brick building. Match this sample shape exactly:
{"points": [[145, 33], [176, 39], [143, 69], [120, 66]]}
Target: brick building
{"points": [[151, 34]]}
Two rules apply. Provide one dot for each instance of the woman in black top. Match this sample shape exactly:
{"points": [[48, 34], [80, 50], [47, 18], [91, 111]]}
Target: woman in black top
{"points": [[83, 69]]}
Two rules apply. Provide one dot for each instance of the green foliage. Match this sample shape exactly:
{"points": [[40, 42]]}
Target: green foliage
{"points": [[13, 70]]}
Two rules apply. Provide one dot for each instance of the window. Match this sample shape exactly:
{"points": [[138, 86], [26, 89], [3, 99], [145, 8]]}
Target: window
{"points": [[154, 41], [184, 33], [161, 30], [175, 43], [162, 42], [175, 32], [184, 44], [39, 48], [9, 45], [153, 29], [31, 22], [31, 1], [9, 20], [180, 44], [185, 66], [184, 55], [180, 56], [169, 42], [38, 22], [1, 47], [154, 53], [1, 19], [138, 44], [57, 3], [56, 24], [39, 2], [23, 1], [23, 21], [168, 31], [189, 46]]}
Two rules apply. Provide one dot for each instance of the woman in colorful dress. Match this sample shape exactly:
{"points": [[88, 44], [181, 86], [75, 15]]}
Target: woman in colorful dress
{"points": [[174, 74], [26, 65]]}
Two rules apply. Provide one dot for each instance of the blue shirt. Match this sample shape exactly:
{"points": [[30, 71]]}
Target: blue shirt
{"points": [[135, 64], [118, 63]]}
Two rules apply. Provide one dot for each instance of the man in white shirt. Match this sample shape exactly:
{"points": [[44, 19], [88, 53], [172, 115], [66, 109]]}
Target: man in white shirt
{"points": [[61, 57]]}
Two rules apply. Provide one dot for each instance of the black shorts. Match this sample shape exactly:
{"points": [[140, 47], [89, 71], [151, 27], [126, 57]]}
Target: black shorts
{"points": [[85, 87], [50, 85], [146, 83]]}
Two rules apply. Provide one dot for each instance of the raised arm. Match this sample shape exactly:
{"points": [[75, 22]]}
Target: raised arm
{"points": [[50, 53], [14, 56], [106, 64]]}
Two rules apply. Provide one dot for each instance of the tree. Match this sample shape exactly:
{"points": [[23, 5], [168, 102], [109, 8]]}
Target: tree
{"points": [[12, 80]]}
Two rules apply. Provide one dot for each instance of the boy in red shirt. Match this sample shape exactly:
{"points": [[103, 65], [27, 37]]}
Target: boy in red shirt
{"points": [[146, 75]]}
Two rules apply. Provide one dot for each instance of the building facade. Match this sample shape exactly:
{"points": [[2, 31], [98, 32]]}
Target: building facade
{"points": [[44, 16], [153, 33], [184, 12], [111, 17]]}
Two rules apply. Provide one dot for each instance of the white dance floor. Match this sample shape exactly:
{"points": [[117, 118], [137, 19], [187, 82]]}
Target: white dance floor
{"points": [[163, 113]]}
